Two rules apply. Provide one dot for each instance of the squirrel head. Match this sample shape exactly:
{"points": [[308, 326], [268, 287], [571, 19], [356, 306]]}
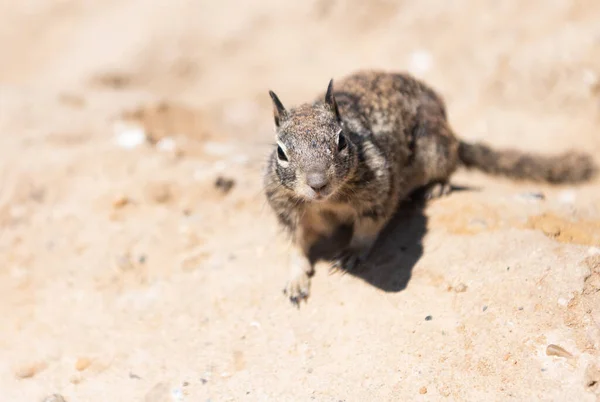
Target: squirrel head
{"points": [[314, 156]]}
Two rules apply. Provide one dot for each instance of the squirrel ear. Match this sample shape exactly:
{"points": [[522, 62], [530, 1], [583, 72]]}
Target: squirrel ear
{"points": [[278, 108], [330, 99]]}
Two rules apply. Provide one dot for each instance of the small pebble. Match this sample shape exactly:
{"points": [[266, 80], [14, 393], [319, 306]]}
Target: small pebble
{"points": [[203, 381], [54, 398], [177, 394], [423, 390], [120, 202], [506, 357], [75, 378], [484, 308], [28, 371], [134, 376], [428, 318], [520, 308], [567, 197], [166, 144], [142, 259], [82, 363], [124, 262], [129, 136], [159, 192], [460, 288], [555, 350], [224, 184], [532, 196]]}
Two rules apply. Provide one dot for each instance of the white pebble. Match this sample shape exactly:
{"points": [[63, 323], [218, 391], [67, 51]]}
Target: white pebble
{"points": [[420, 62], [562, 301], [129, 136], [255, 324], [166, 144], [590, 78], [567, 196], [177, 394]]}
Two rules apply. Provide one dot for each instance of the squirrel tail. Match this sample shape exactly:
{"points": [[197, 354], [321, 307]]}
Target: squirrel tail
{"points": [[569, 167]]}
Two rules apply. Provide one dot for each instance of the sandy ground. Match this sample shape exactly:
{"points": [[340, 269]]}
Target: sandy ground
{"points": [[128, 274]]}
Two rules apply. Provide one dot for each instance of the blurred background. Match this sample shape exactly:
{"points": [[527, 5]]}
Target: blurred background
{"points": [[138, 259]]}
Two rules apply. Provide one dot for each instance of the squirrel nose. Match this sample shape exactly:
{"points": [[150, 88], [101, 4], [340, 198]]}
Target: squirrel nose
{"points": [[317, 181]]}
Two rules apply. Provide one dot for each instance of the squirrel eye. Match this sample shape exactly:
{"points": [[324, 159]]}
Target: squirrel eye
{"points": [[342, 144], [281, 154]]}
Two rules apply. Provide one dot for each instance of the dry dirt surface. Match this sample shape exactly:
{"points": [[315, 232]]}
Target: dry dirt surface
{"points": [[140, 262]]}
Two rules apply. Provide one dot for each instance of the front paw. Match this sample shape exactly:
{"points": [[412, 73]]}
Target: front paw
{"points": [[298, 288], [349, 262]]}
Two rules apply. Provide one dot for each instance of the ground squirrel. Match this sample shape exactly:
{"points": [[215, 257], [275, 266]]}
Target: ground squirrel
{"points": [[349, 158]]}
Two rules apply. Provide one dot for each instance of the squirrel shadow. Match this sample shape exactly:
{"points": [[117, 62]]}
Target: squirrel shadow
{"points": [[398, 248]]}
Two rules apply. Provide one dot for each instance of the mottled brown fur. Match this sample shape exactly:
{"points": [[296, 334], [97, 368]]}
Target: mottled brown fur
{"points": [[349, 158]]}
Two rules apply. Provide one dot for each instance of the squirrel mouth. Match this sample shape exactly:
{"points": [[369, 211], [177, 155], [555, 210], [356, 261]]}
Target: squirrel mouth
{"points": [[321, 195]]}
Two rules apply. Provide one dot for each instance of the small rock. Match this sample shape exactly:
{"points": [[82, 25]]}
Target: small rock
{"points": [[54, 398], [590, 78], [159, 192], [177, 394], [124, 262], [224, 184], [29, 370], [134, 376], [460, 288], [82, 363], [428, 318], [203, 381], [567, 197], [166, 144], [129, 136], [423, 390], [555, 350], [532, 196], [120, 202], [506, 357], [75, 378], [485, 308]]}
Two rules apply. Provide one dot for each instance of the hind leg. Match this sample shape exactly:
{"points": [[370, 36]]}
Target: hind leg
{"points": [[437, 189], [436, 154]]}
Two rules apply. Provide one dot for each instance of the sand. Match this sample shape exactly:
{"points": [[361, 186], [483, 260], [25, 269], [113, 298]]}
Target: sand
{"points": [[140, 262]]}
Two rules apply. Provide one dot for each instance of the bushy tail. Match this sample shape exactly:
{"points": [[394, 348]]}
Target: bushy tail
{"points": [[569, 167]]}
